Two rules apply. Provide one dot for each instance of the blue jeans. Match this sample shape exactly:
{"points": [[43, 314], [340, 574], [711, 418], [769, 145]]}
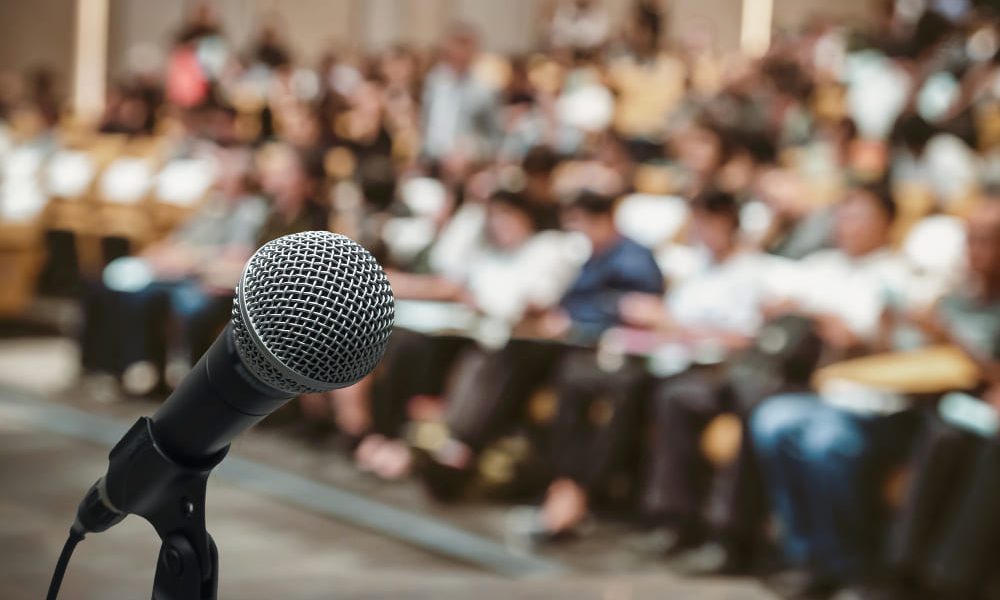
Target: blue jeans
{"points": [[824, 467]]}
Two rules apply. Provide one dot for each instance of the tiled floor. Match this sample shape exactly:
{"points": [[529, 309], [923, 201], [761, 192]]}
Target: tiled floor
{"points": [[268, 549]]}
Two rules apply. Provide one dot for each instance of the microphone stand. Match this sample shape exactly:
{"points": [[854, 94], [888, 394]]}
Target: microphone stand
{"points": [[188, 564]]}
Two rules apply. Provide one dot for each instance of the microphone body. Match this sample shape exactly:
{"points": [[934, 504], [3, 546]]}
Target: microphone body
{"points": [[219, 399], [312, 312]]}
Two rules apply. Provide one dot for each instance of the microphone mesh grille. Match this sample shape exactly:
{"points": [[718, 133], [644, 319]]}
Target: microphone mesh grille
{"points": [[321, 306]]}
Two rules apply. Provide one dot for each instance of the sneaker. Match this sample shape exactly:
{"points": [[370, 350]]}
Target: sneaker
{"points": [[525, 528], [802, 584], [140, 378], [661, 541], [102, 388], [710, 559]]}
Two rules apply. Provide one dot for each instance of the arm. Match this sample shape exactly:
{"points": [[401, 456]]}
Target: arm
{"points": [[424, 287]]}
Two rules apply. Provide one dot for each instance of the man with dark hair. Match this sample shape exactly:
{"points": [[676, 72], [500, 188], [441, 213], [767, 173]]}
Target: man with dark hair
{"points": [[512, 269], [718, 309], [617, 266], [822, 455], [494, 384], [538, 167]]}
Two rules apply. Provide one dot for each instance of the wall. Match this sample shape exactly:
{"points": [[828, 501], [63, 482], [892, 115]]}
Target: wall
{"points": [[720, 18], [38, 33], [312, 25], [791, 13]]}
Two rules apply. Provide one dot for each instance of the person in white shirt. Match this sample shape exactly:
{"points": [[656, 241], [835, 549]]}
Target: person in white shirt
{"points": [[820, 462], [721, 304], [844, 289], [460, 112], [505, 268]]}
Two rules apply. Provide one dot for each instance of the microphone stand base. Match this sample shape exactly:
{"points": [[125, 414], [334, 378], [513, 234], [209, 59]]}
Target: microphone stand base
{"points": [[178, 571], [144, 481]]}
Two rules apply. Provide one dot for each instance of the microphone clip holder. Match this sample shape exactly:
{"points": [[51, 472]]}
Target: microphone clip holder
{"points": [[143, 480]]}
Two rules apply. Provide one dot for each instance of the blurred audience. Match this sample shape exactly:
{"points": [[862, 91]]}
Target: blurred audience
{"points": [[636, 273]]}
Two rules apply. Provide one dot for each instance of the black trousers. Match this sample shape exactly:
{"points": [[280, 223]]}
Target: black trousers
{"points": [[947, 533], [680, 487], [490, 388], [596, 422], [414, 364], [596, 410]]}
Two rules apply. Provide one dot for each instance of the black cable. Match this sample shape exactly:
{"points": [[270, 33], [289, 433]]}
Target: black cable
{"points": [[75, 536]]}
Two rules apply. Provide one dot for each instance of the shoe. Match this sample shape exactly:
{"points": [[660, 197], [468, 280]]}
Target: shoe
{"points": [[442, 482], [140, 378], [525, 528], [101, 387], [710, 559], [802, 584], [659, 542]]}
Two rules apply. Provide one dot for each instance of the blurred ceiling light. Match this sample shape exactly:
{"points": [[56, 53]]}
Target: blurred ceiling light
{"points": [[755, 28]]}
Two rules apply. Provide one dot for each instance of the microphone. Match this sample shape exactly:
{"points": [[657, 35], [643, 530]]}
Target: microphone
{"points": [[312, 312]]}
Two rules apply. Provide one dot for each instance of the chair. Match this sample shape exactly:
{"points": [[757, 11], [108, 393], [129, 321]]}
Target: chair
{"points": [[179, 188], [69, 179], [120, 210], [20, 261], [22, 202], [650, 219]]}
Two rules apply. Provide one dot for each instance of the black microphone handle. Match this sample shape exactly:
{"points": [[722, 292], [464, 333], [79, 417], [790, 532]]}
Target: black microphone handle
{"points": [[219, 399]]}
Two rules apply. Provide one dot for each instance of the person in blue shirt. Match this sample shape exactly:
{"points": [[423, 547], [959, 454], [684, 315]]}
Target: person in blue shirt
{"points": [[492, 386], [617, 266]]}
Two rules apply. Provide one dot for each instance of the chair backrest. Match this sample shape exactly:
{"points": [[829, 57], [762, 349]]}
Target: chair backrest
{"points": [[652, 220], [22, 196], [69, 174], [424, 196], [126, 181], [183, 182]]}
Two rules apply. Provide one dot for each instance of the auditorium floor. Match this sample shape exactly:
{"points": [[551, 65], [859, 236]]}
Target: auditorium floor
{"points": [[273, 547]]}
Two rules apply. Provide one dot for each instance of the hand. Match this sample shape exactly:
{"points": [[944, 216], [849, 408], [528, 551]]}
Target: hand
{"points": [[554, 324], [928, 320], [643, 310], [779, 308], [992, 396], [172, 262], [835, 333]]}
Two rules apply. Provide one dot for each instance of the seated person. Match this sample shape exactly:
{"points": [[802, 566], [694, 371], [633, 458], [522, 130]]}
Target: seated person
{"points": [[493, 385], [190, 274], [945, 536], [507, 268], [823, 457], [718, 308], [292, 180]]}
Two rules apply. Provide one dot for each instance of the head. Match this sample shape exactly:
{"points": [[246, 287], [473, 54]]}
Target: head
{"points": [[538, 166], [983, 238], [715, 221], [864, 219], [398, 66], [290, 177], [788, 80], [701, 148], [593, 215], [509, 222], [233, 175], [460, 48], [912, 132]]}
